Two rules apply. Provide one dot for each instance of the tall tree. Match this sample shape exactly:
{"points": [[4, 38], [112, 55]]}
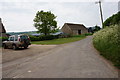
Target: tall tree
{"points": [[45, 22]]}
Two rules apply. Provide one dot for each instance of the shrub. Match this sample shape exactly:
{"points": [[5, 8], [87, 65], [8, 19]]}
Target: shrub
{"points": [[114, 19], [43, 37], [3, 39], [107, 41], [88, 34], [34, 38]]}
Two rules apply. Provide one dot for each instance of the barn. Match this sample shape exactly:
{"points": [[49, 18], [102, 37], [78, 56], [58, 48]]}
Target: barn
{"points": [[2, 30], [74, 29]]}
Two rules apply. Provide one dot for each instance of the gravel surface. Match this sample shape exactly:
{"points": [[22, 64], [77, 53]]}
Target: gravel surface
{"points": [[73, 60], [33, 50]]}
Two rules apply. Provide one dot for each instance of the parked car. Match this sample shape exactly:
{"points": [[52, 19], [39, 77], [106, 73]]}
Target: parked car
{"points": [[17, 41]]}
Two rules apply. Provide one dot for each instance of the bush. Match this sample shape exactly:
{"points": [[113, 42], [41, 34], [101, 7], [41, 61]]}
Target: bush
{"points": [[43, 37], [114, 19], [107, 41], [34, 38], [3, 39], [88, 34]]}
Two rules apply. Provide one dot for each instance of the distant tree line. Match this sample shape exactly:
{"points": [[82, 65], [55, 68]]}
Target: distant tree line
{"points": [[93, 29]]}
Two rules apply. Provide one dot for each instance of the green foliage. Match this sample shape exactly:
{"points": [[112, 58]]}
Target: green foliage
{"points": [[97, 28], [3, 38], [45, 22], [83, 35], [107, 41], [88, 34], [114, 19], [94, 29], [59, 40], [43, 37], [56, 30]]}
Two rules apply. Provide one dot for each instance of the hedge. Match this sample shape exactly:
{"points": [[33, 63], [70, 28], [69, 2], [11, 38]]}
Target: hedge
{"points": [[43, 37], [107, 41]]}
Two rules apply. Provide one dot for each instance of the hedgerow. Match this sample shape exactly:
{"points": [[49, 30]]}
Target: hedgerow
{"points": [[107, 41], [43, 37]]}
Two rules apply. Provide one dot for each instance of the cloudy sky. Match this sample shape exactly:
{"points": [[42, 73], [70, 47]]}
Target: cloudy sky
{"points": [[18, 15]]}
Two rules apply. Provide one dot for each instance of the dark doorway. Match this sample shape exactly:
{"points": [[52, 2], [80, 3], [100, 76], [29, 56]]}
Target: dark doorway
{"points": [[79, 32]]}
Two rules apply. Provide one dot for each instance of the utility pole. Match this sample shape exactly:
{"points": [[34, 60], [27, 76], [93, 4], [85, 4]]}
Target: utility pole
{"points": [[99, 2]]}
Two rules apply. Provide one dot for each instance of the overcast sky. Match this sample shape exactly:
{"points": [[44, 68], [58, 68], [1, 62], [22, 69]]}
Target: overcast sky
{"points": [[18, 15]]}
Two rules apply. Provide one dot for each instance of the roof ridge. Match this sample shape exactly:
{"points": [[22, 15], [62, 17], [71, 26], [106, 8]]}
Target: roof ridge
{"points": [[73, 24]]}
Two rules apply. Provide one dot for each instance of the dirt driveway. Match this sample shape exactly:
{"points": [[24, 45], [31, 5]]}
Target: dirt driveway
{"points": [[74, 60], [11, 55]]}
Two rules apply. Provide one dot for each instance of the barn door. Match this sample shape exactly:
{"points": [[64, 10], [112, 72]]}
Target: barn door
{"points": [[79, 32]]}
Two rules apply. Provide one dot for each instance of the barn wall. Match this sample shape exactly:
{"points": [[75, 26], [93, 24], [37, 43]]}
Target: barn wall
{"points": [[66, 29], [74, 30], [83, 31]]}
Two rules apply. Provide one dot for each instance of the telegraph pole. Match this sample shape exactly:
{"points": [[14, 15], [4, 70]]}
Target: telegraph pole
{"points": [[99, 2]]}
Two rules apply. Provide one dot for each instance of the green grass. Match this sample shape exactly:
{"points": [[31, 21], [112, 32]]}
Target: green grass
{"points": [[107, 41], [59, 41]]}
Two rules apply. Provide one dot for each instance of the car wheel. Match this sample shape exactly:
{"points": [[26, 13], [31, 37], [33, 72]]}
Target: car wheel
{"points": [[14, 47], [4, 46]]}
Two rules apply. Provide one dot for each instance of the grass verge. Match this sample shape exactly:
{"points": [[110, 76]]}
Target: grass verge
{"points": [[60, 40]]}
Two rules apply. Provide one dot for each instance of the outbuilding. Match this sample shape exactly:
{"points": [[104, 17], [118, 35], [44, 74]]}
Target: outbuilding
{"points": [[2, 29], [74, 29]]}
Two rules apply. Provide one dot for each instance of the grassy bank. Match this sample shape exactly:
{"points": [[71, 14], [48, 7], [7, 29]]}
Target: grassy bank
{"points": [[107, 41], [60, 40]]}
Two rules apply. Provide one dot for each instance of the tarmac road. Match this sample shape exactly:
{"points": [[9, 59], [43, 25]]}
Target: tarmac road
{"points": [[73, 60]]}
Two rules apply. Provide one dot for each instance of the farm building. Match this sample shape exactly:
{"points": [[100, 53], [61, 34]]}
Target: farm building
{"points": [[2, 30], [74, 29]]}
